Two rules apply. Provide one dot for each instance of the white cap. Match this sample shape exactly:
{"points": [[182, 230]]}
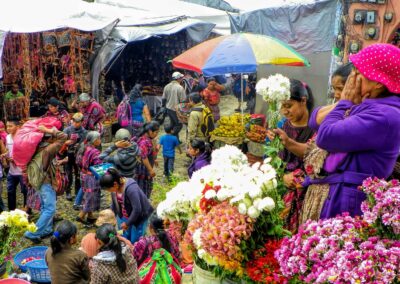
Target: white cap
{"points": [[177, 75]]}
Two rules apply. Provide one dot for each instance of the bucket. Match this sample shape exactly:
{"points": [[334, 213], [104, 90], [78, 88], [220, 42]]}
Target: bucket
{"points": [[201, 276], [256, 149]]}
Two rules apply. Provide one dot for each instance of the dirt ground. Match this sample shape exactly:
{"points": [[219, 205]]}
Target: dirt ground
{"points": [[161, 186]]}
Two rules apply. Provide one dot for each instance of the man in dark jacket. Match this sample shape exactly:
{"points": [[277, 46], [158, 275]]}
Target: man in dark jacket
{"points": [[126, 157]]}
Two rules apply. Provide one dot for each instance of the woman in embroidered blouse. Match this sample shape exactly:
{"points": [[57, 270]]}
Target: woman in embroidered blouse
{"points": [[145, 171], [87, 156], [159, 238], [297, 112]]}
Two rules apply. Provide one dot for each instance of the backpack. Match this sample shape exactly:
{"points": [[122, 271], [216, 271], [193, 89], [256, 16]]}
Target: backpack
{"points": [[35, 172], [124, 113], [207, 122], [160, 268]]}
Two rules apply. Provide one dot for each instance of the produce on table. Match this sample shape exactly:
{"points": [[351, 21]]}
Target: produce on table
{"points": [[231, 126], [257, 133]]}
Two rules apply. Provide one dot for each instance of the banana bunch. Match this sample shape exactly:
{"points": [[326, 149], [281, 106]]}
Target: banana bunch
{"points": [[231, 126]]}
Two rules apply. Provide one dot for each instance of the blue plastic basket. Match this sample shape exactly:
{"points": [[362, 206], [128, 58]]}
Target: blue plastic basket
{"points": [[38, 252], [39, 271], [99, 170]]}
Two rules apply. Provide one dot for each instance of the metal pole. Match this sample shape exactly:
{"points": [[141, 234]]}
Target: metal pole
{"points": [[241, 96]]}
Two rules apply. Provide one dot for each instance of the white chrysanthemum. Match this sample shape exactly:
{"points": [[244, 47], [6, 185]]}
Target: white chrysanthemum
{"points": [[242, 208], [253, 212], [229, 156], [267, 204], [223, 194], [210, 194], [197, 238], [274, 89]]}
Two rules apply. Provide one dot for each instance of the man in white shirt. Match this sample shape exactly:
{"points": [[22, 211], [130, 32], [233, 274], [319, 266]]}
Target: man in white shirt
{"points": [[14, 176], [174, 94]]}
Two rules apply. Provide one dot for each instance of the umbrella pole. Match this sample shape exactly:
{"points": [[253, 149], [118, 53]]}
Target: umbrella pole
{"points": [[241, 96]]}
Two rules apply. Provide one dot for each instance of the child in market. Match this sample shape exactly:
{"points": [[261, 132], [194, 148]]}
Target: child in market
{"points": [[169, 142], [66, 265]]}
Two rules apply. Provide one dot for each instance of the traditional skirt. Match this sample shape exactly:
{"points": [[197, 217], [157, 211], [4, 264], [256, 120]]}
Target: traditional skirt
{"points": [[313, 202], [144, 180], [91, 189]]}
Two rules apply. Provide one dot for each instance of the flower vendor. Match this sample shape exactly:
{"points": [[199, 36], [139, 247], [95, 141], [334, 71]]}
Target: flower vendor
{"points": [[365, 125], [296, 110]]}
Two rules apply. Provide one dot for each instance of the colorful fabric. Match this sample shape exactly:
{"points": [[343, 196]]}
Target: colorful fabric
{"points": [[299, 134], [90, 184], [160, 269], [380, 63], [120, 200], [211, 97], [15, 108], [145, 247], [143, 178], [93, 115]]}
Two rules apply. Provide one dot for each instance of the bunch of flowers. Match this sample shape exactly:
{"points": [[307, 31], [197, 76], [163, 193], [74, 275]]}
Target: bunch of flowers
{"points": [[382, 207], [274, 89], [264, 267], [339, 250], [218, 236], [180, 203], [13, 224], [229, 178]]}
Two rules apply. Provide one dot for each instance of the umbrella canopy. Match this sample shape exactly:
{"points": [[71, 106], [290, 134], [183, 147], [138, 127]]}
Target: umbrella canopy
{"points": [[237, 53]]}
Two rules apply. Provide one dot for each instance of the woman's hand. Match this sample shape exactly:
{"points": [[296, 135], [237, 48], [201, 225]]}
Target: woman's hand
{"points": [[352, 88], [288, 180], [271, 134], [152, 173]]}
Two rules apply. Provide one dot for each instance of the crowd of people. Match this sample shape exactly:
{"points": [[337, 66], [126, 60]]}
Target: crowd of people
{"points": [[328, 152]]}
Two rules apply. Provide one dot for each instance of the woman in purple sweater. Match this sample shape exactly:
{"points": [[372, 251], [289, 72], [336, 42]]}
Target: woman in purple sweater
{"points": [[364, 126], [201, 153], [129, 203]]}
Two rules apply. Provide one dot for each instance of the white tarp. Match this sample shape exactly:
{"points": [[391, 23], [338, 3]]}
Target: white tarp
{"points": [[137, 12]]}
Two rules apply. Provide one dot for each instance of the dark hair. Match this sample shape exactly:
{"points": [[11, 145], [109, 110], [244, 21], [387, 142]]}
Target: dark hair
{"points": [[343, 71], [195, 97], [152, 125], [157, 225], [108, 235], [109, 178], [202, 146], [300, 90], [65, 230], [14, 120], [168, 128], [211, 79], [54, 102]]}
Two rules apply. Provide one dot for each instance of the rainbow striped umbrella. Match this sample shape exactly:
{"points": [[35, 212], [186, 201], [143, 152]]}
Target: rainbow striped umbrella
{"points": [[237, 53]]}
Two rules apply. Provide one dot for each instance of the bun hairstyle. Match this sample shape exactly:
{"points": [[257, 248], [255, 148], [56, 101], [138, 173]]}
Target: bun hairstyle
{"points": [[107, 234], [300, 90], [203, 147], [90, 138], [109, 178], [152, 125], [65, 230]]}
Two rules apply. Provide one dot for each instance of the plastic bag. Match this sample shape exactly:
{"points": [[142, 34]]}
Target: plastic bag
{"points": [[28, 137]]}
